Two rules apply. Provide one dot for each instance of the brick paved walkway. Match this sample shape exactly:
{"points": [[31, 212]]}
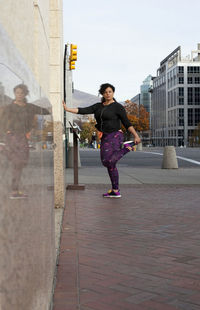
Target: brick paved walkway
{"points": [[140, 252]]}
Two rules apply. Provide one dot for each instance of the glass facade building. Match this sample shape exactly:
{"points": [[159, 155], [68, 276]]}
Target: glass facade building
{"points": [[136, 99], [145, 95]]}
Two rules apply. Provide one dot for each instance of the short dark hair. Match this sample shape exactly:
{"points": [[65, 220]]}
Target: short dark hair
{"points": [[102, 89], [104, 86], [23, 87]]}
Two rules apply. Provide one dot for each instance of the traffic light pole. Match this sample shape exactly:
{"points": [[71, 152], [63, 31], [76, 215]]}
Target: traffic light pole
{"points": [[67, 97], [69, 65]]}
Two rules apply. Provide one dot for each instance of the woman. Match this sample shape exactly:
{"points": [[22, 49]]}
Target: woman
{"points": [[16, 124], [109, 114]]}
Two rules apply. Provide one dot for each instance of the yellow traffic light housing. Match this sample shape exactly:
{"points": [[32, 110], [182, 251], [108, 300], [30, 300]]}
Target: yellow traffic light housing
{"points": [[73, 56], [72, 65]]}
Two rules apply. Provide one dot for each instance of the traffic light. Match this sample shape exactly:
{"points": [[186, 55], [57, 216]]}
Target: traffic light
{"points": [[73, 56]]}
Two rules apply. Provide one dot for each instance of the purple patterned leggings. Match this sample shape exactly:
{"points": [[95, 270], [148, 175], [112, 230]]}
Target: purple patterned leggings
{"points": [[17, 151], [111, 152]]}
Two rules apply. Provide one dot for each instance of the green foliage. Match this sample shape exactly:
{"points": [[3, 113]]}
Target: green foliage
{"points": [[87, 130]]}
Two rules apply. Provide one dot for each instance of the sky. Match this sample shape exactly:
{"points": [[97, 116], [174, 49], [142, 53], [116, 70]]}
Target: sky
{"points": [[123, 41]]}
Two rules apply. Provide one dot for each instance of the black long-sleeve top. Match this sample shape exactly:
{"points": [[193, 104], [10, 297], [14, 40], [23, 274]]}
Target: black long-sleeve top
{"points": [[19, 119], [108, 117]]}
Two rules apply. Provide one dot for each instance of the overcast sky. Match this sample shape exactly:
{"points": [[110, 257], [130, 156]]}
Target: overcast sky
{"points": [[123, 41]]}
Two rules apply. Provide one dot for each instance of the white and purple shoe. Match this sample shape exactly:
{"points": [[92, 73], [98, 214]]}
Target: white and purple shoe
{"points": [[112, 194], [128, 144]]}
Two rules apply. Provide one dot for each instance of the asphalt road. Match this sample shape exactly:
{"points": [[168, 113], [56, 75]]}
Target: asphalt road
{"points": [[91, 157]]}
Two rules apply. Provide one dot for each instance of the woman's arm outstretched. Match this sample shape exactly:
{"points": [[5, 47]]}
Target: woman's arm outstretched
{"points": [[135, 135], [71, 110]]}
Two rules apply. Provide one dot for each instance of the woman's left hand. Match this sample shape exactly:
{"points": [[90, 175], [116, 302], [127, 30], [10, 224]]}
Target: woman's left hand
{"points": [[137, 140]]}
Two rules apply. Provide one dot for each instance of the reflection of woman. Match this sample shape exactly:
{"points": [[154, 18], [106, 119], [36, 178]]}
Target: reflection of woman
{"points": [[16, 124], [109, 114]]}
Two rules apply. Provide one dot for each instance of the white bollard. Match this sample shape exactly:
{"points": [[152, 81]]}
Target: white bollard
{"points": [[139, 147], [169, 158]]}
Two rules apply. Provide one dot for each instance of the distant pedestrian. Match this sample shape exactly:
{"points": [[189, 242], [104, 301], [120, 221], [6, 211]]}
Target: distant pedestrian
{"points": [[109, 114], [93, 141]]}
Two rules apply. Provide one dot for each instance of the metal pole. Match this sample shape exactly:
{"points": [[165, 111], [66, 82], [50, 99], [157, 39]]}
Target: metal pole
{"points": [[64, 97], [75, 142]]}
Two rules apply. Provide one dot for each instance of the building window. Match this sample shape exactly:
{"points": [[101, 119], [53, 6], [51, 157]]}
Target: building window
{"points": [[181, 112], [181, 117], [174, 120], [181, 69], [180, 100], [190, 69], [169, 99], [197, 95], [190, 117], [181, 80], [169, 118], [197, 80], [193, 69], [181, 122], [196, 69], [197, 117], [181, 91], [180, 132], [175, 80], [190, 95], [181, 95], [190, 80], [174, 97]]}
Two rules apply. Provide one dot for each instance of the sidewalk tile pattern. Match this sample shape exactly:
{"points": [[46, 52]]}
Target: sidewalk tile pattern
{"points": [[140, 252]]}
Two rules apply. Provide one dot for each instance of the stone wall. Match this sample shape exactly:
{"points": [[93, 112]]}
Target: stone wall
{"points": [[56, 95], [30, 54]]}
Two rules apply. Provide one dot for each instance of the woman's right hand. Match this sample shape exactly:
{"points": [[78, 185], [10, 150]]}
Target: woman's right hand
{"points": [[64, 105], [71, 110]]}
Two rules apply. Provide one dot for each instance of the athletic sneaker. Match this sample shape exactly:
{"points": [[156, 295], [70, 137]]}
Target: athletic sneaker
{"points": [[112, 194], [18, 195], [128, 144]]}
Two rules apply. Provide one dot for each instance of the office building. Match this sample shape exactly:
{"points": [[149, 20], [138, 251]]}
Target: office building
{"points": [[176, 99]]}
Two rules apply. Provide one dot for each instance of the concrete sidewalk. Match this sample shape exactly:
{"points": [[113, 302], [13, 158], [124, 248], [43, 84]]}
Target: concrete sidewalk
{"points": [[99, 175], [137, 175], [140, 252]]}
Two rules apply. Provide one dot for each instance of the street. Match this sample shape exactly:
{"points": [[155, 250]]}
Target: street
{"points": [[144, 158]]}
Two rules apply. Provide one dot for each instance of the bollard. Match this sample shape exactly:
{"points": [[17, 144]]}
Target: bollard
{"points": [[70, 157], [169, 158], [139, 147]]}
